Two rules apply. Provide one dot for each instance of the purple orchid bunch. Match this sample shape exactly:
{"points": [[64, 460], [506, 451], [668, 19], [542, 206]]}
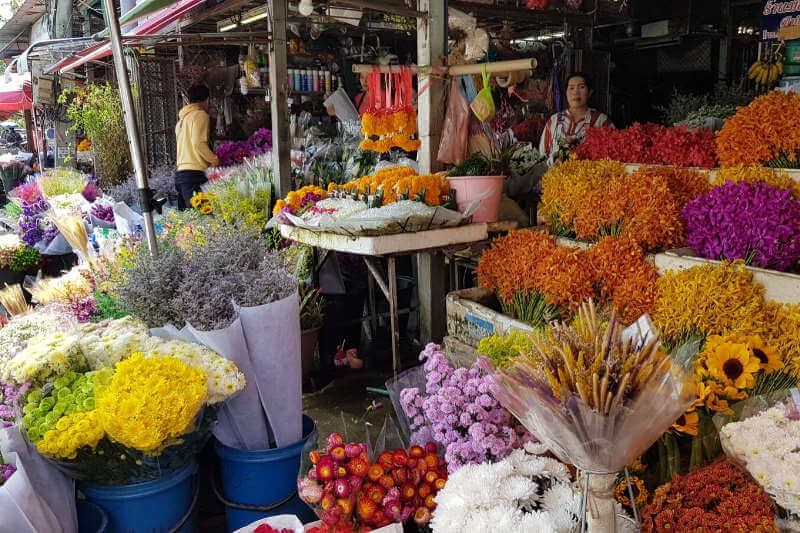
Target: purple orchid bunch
{"points": [[103, 212], [459, 411], [5, 472], [235, 152], [262, 139], [33, 225], [753, 221]]}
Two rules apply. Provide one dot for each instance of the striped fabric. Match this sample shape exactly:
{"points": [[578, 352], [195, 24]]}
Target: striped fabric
{"points": [[561, 126]]}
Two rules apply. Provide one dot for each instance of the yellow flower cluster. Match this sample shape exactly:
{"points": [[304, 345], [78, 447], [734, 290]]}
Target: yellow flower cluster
{"points": [[727, 367], [776, 177], [502, 351], [294, 200], [566, 187], [72, 432], [723, 299], [709, 299], [150, 403], [397, 181], [202, 202], [392, 129]]}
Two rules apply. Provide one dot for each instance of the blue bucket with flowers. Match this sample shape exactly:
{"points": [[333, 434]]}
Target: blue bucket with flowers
{"points": [[260, 483]]}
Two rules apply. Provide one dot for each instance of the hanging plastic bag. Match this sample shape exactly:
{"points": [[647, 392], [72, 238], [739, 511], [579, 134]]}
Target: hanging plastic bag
{"points": [[483, 104], [453, 148]]}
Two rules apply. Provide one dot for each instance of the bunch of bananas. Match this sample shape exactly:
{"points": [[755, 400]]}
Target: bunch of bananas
{"points": [[766, 73]]}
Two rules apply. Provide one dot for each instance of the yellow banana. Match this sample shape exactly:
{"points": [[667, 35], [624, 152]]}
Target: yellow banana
{"points": [[780, 68], [751, 72]]}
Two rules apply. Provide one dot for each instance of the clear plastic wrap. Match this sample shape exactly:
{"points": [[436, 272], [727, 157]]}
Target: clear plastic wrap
{"points": [[763, 436]]}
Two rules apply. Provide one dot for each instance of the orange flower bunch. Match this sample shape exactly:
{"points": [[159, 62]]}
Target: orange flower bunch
{"points": [[766, 131], [624, 276], [298, 199], [613, 271], [645, 206], [567, 186], [397, 181], [393, 129], [775, 177]]}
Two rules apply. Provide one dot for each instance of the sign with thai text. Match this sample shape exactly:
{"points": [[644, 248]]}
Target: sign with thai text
{"points": [[777, 14]]}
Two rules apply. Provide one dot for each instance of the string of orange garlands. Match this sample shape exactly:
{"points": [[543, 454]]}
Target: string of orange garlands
{"points": [[390, 116]]}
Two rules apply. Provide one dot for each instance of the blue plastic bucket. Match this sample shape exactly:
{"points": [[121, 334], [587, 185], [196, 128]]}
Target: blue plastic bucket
{"points": [[264, 478], [91, 517], [164, 505]]}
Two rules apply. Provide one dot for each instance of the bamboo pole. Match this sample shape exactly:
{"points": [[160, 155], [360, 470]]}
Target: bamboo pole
{"points": [[494, 67]]}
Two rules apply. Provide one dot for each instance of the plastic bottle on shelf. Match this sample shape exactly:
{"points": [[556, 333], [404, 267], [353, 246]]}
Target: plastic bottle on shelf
{"points": [[296, 79], [291, 79], [315, 81], [327, 74]]}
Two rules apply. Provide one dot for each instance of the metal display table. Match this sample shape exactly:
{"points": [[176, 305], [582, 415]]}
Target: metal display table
{"points": [[388, 247]]}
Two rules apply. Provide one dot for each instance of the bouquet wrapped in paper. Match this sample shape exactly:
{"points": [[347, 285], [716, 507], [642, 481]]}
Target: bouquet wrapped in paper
{"points": [[762, 434], [597, 398]]}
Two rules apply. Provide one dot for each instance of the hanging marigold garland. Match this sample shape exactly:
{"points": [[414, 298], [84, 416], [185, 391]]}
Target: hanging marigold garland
{"points": [[391, 116]]}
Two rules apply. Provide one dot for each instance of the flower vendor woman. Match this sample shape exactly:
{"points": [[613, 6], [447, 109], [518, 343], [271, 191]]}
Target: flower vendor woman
{"points": [[568, 127]]}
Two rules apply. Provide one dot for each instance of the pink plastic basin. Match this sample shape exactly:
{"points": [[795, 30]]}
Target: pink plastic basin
{"points": [[489, 189]]}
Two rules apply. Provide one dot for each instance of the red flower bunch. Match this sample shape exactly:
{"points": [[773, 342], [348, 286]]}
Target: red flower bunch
{"points": [[351, 493], [717, 497], [651, 144], [266, 528], [537, 4]]}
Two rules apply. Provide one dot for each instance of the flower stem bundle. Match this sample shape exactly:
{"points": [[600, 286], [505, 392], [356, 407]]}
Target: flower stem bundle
{"points": [[13, 300]]}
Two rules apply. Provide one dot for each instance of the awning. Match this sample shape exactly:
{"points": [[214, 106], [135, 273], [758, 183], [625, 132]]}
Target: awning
{"points": [[15, 92], [153, 26]]}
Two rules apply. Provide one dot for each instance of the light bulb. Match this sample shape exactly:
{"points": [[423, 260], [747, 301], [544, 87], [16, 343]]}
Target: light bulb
{"points": [[305, 7]]}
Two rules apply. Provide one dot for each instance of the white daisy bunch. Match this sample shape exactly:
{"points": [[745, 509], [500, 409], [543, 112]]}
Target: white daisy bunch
{"points": [[224, 378], [108, 342], [46, 357], [768, 446], [523, 493]]}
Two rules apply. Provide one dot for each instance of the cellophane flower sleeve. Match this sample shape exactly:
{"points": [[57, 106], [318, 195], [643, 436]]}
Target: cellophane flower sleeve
{"points": [[596, 442], [763, 436]]}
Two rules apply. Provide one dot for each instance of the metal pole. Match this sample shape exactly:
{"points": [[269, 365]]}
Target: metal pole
{"points": [[145, 200]]}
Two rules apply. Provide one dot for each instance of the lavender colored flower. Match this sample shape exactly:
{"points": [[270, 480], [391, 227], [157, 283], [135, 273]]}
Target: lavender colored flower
{"points": [[460, 413], [756, 222], [91, 192], [34, 227]]}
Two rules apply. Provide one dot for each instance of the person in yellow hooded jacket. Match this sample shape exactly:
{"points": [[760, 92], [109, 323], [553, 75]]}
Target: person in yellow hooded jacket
{"points": [[194, 154]]}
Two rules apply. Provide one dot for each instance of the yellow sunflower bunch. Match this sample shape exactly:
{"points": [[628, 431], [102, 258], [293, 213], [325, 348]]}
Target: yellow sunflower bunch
{"points": [[776, 177], [150, 403], [727, 368], [565, 187], [202, 202]]}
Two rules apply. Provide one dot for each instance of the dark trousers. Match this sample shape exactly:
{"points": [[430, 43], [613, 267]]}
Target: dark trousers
{"points": [[188, 183]]}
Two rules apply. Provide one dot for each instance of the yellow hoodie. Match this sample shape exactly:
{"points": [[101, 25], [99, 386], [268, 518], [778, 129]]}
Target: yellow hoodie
{"points": [[192, 134]]}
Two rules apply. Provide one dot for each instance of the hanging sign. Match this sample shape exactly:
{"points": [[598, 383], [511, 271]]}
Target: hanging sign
{"points": [[777, 14]]}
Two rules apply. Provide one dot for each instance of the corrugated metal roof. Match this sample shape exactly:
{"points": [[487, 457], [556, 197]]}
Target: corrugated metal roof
{"points": [[28, 13]]}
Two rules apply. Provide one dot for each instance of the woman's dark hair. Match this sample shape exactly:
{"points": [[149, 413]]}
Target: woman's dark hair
{"points": [[583, 75], [198, 93]]}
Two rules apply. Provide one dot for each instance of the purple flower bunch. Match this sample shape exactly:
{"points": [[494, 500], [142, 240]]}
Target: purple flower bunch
{"points": [[33, 226], [5, 472], [460, 412], [85, 310], [103, 212], [27, 192], [10, 395], [91, 192], [235, 152], [753, 221]]}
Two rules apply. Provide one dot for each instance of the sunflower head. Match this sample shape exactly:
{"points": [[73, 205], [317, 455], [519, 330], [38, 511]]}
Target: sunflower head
{"points": [[767, 356], [206, 209], [688, 423], [733, 364]]}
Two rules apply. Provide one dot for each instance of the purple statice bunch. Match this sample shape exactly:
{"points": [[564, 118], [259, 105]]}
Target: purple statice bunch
{"points": [[459, 411], [10, 395], [753, 221], [33, 225], [85, 310], [5, 472]]}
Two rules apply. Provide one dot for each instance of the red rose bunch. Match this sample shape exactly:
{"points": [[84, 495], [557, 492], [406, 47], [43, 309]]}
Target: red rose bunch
{"points": [[718, 497], [651, 144], [351, 493]]}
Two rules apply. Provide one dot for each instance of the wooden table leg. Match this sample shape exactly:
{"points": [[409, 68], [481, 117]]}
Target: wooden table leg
{"points": [[392, 282]]}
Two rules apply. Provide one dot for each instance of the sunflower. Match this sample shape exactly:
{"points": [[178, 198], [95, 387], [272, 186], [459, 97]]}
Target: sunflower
{"points": [[767, 356], [687, 423], [206, 209], [196, 200], [734, 364]]}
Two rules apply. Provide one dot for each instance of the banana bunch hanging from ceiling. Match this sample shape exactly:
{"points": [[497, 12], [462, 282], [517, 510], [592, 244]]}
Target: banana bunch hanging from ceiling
{"points": [[768, 72]]}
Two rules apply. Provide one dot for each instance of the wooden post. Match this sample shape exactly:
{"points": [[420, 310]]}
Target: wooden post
{"points": [[279, 85], [29, 128], [432, 272]]}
